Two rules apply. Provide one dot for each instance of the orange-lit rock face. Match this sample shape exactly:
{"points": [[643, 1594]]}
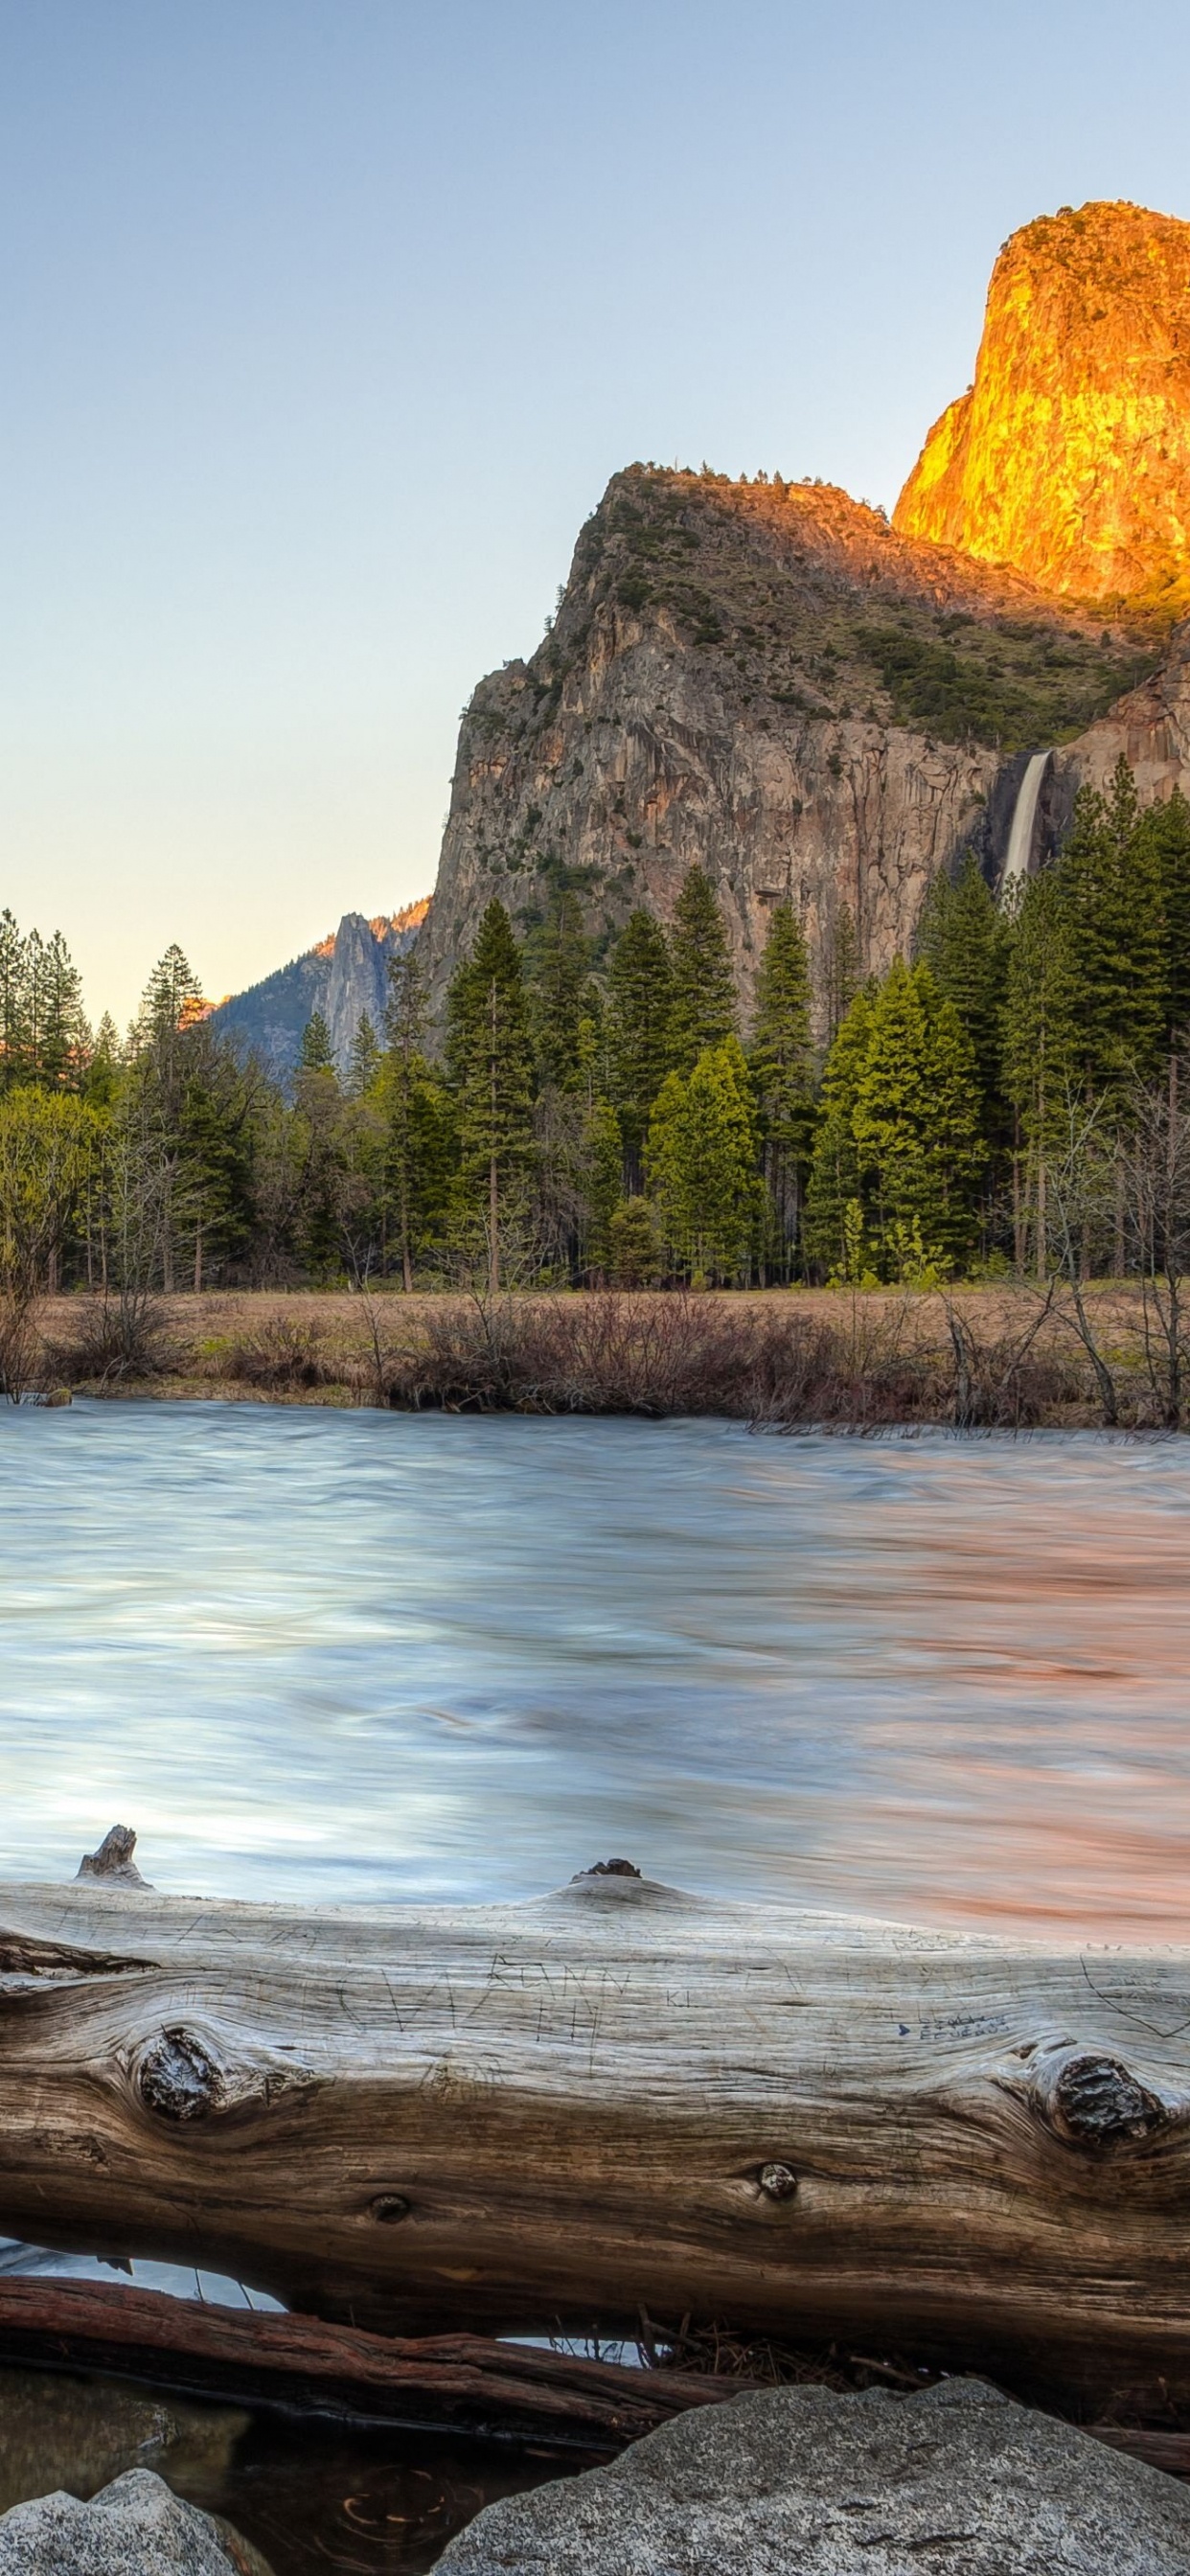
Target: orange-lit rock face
{"points": [[1069, 457]]}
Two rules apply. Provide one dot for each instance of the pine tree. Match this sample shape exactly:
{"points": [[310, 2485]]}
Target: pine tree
{"points": [[916, 1122], [316, 1054], [781, 1061], [840, 971], [1111, 883], [489, 1058], [421, 1145], [103, 1065], [1163, 843], [559, 993], [638, 1025], [14, 1011], [1039, 1037], [835, 1182], [701, 1158], [633, 1245], [964, 941], [603, 1156], [702, 1006], [364, 1064]]}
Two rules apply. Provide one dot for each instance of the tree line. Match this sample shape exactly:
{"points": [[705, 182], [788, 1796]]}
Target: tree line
{"points": [[981, 1107]]}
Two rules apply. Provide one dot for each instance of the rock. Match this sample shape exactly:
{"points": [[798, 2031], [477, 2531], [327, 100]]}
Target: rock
{"points": [[343, 977], [80, 2432], [134, 2527], [767, 680], [803, 2482], [1069, 456]]}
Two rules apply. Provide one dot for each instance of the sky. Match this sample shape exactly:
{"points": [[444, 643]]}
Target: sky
{"points": [[324, 323]]}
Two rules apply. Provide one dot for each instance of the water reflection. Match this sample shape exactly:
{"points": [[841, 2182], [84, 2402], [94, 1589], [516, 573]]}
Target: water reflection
{"points": [[350, 1655]]}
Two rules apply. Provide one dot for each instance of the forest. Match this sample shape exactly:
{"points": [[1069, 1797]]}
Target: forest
{"points": [[1010, 1101]]}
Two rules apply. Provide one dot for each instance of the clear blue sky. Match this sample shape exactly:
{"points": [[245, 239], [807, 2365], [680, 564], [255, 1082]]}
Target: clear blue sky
{"points": [[324, 323]]}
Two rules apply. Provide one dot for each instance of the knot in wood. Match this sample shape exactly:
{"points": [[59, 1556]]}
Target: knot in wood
{"points": [[778, 2182], [609, 1869], [1096, 2103], [179, 2079], [388, 2208]]}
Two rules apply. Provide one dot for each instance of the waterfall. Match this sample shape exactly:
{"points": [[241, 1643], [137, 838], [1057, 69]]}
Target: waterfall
{"points": [[1024, 817]]}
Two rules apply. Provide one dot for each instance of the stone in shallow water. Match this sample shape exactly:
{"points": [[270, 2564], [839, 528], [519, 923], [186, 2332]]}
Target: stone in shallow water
{"points": [[58, 2430], [804, 2482], [133, 2528]]}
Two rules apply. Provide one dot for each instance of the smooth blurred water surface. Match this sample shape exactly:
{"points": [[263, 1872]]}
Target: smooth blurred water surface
{"points": [[353, 1655]]}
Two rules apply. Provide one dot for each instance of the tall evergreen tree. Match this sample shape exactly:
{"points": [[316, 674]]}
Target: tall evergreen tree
{"points": [[489, 1056], [1040, 1039], [316, 1054], [640, 995], [1162, 841], [916, 1121], [782, 1066], [835, 1182], [841, 977], [14, 1013], [560, 969], [421, 1146], [701, 1158], [964, 941], [703, 1005], [364, 1063], [1111, 881]]}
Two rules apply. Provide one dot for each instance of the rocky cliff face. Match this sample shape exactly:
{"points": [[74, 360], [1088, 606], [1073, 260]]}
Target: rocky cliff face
{"points": [[343, 977], [1069, 457], [771, 681]]}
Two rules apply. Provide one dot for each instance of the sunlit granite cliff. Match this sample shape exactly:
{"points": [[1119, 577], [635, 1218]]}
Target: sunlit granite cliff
{"points": [[768, 679], [1069, 456]]}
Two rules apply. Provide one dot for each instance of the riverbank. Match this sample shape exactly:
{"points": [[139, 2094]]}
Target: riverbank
{"points": [[1000, 1356]]}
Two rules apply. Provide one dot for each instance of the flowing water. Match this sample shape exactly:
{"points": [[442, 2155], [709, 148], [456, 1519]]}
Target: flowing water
{"points": [[356, 1655], [363, 1656]]}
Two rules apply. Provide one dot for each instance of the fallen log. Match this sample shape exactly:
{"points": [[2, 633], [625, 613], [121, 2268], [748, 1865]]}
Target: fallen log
{"points": [[444, 2383], [616, 2096], [448, 2382]]}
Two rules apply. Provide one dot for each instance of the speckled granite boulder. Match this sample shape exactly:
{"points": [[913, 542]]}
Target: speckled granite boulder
{"points": [[804, 2482], [135, 2527]]}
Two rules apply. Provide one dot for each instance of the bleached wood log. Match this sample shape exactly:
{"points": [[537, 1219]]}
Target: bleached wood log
{"points": [[617, 2096]]}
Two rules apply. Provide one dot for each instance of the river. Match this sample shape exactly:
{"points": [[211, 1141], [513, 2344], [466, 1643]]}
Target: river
{"points": [[328, 1656], [335, 1655]]}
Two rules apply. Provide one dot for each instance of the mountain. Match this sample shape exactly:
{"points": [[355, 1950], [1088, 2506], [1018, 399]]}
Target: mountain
{"points": [[770, 680], [1069, 456], [344, 977]]}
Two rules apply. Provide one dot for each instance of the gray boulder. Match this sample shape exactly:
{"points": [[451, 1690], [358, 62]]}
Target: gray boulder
{"points": [[135, 2527], [80, 2432], [804, 2482]]}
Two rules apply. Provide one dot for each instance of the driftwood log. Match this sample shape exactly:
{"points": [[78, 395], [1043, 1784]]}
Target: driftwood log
{"points": [[615, 2097], [450, 2382], [446, 2382]]}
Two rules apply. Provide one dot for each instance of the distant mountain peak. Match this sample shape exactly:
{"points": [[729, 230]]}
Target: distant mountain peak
{"points": [[343, 976]]}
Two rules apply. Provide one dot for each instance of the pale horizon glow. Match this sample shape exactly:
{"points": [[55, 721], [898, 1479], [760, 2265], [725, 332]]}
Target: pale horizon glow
{"points": [[324, 329]]}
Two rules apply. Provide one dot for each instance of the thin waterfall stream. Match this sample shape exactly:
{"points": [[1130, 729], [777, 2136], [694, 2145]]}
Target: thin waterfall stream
{"points": [[1024, 823]]}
